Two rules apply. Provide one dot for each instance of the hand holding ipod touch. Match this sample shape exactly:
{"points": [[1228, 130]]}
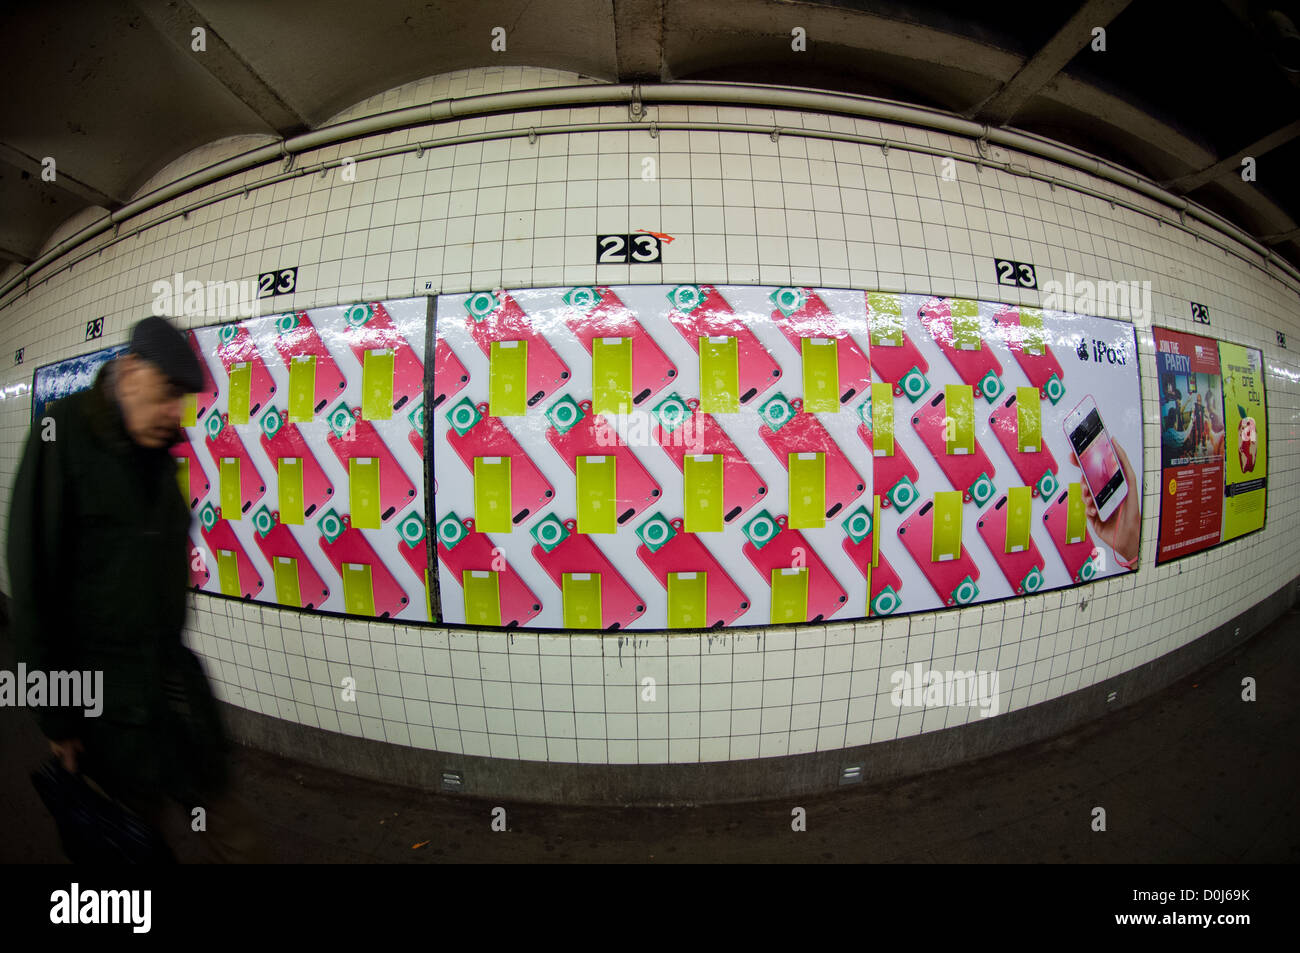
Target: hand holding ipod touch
{"points": [[1111, 490], [1096, 455]]}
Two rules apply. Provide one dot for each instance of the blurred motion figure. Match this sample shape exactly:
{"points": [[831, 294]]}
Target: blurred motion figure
{"points": [[98, 551]]}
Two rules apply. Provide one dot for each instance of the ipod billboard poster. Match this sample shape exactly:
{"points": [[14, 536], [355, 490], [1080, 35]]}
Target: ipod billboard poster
{"points": [[303, 460], [698, 456]]}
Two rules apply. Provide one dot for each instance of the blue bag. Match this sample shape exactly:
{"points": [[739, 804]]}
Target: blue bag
{"points": [[93, 828]]}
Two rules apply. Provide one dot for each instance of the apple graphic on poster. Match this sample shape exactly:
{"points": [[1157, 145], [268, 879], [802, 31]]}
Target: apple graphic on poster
{"points": [[1247, 443]]}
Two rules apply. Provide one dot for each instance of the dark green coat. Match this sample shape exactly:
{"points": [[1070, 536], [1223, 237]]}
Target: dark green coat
{"points": [[98, 554]]}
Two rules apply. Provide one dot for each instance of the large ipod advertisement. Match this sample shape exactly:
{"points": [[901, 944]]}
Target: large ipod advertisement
{"points": [[698, 456], [303, 460]]}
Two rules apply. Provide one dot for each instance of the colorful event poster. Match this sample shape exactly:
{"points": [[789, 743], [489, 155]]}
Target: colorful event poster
{"points": [[67, 377], [1246, 426], [696, 456], [1192, 440]]}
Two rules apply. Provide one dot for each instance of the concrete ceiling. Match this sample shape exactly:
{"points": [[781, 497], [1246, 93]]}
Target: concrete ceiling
{"points": [[114, 92]]}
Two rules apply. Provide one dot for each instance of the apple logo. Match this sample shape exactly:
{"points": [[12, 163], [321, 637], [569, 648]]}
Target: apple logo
{"points": [[1082, 350]]}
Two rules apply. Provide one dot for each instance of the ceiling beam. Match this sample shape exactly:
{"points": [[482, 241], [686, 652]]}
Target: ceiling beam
{"points": [[1232, 164], [176, 19], [8, 254], [639, 40], [1281, 238], [63, 180], [1038, 70]]}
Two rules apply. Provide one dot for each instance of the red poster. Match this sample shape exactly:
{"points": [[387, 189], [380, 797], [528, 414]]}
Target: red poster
{"points": [[1191, 443]]}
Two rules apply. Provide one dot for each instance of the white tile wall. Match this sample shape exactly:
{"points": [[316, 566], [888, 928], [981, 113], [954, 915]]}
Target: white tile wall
{"points": [[742, 209]]}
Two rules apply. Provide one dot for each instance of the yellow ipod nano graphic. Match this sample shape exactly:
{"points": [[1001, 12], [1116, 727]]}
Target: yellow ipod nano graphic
{"points": [[965, 324], [611, 375], [821, 375], [482, 597], [886, 321], [358, 589], [232, 502], [183, 477], [291, 496], [945, 544], [789, 595], [1029, 419], [492, 495], [377, 385], [228, 572], [302, 389], [1031, 319], [241, 380], [875, 536], [719, 375], [807, 490], [702, 492], [580, 592], [687, 600], [190, 410], [508, 379], [1019, 501], [882, 420], [1076, 518], [597, 498], [363, 492], [287, 591], [959, 424]]}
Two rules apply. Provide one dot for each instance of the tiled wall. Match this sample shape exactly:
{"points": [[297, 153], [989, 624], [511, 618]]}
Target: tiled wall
{"points": [[742, 209]]}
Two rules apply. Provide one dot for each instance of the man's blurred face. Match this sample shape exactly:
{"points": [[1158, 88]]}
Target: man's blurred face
{"points": [[151, 404]]}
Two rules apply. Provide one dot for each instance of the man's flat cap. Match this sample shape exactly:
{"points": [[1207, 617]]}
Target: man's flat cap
{"points": [[157, 341]]}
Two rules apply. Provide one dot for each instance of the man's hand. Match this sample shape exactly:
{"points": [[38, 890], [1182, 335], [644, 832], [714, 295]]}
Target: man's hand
{"points": [[1123, 531], [67, 751]]}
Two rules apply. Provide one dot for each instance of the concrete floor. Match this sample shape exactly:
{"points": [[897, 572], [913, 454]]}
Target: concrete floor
{"points": [[1191, 775]]}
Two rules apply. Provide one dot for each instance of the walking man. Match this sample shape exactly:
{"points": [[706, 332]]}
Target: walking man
{"points": [[98, 552]]}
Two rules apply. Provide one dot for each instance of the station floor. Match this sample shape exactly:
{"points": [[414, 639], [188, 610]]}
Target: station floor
{"points": [[1191, 775]]}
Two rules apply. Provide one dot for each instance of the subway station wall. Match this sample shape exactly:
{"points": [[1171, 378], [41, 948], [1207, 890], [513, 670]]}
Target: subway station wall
{"points": [[737, 210]]}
